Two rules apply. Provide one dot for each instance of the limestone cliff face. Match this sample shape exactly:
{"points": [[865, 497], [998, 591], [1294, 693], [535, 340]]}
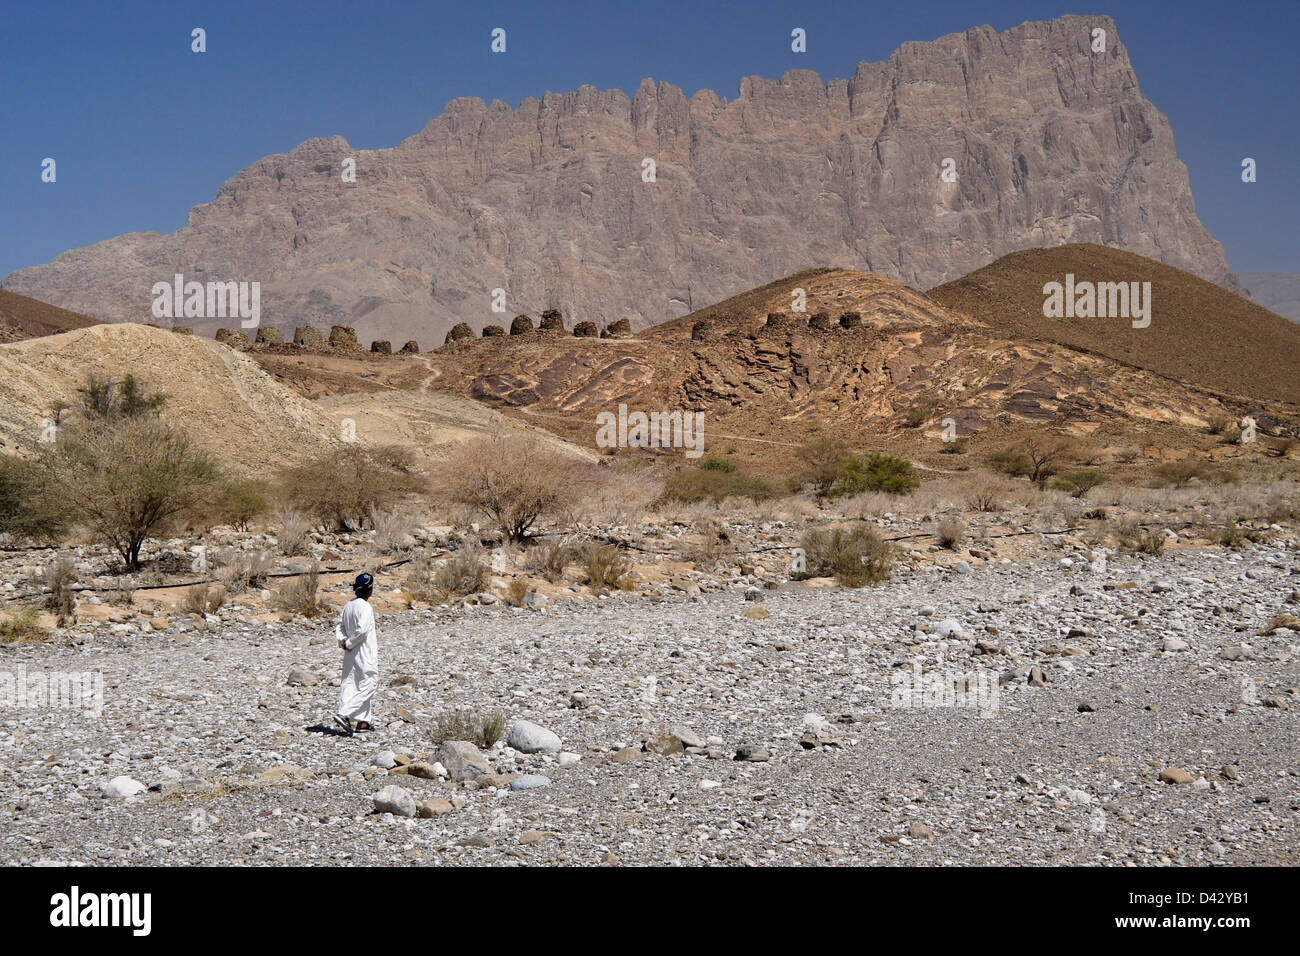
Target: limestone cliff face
{"points": [[1050, 142]]}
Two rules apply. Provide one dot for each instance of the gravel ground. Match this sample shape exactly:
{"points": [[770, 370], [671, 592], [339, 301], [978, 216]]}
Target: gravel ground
{"points": [[1066, 773]]}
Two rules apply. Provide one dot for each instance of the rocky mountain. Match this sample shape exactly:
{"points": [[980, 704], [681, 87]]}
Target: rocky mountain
{"points": [[1279, 291], [1050, 142]]}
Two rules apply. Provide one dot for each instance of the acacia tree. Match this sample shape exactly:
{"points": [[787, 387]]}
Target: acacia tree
{"points": [[125, 480], [513, 481]]}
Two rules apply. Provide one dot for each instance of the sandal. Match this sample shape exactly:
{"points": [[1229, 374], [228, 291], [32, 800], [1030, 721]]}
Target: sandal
{"points": [[364, 725], [345, 723]]}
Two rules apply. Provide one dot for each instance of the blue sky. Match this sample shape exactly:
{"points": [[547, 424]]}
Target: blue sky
{"points": [[142, 129]]}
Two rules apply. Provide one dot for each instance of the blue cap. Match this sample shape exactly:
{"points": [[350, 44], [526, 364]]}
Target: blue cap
{"points": [[363, 582]]}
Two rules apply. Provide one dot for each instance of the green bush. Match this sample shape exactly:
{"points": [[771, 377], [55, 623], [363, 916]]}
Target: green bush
{"points": [[874, 471], [716, 463]]}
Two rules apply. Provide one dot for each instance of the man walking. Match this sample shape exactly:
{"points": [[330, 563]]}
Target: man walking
{"points": [[355, 632]]}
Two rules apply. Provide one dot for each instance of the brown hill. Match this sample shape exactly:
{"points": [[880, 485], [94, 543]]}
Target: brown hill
{"points": [[24, 318], [889, 377], [1200, 333]]}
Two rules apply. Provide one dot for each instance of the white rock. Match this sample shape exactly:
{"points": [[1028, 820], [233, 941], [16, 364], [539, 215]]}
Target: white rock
{"points": [[949, 628], [395, 800], [122, 787], [531, 738], [568, 759]]}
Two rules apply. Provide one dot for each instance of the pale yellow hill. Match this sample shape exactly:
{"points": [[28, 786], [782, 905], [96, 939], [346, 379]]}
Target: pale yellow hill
{"points": [[225, 400]]}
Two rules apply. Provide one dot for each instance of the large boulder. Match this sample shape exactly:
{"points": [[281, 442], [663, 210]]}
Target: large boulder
{"points": [[395, 800], [530, 738], [307, 337], [462, 760]]}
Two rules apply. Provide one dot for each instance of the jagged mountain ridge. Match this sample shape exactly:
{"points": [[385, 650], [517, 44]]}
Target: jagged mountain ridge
{"points": [[1052, 143]]}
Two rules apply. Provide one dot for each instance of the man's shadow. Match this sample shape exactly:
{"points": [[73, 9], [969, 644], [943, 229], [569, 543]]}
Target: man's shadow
{"points": [[325, 729]]}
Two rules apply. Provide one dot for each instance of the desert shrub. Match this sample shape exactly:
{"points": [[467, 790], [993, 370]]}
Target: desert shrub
{"points": [[23, 512], [299, 594], [874, 472], [955, 447], [986, 498], [242, 570], [915, 416], [1180, 474], [238, 502], [854, 557], [1280, 507], [123, 595], [393, 526], [716, 463], [1218, 424], [1038, 458], [461, 574], [1280, 447], [604, 565], [294, 527], [821, 460], [340, 488], [549, 558], [951, 531], [482, 730], [512, 481], [1132, 538], [1231, 534], [692, 485], [59, 579], [1079, 483], [517, 591], [22, 626], [107, 399], [203, 599], [716, 547], [125, 481]]}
